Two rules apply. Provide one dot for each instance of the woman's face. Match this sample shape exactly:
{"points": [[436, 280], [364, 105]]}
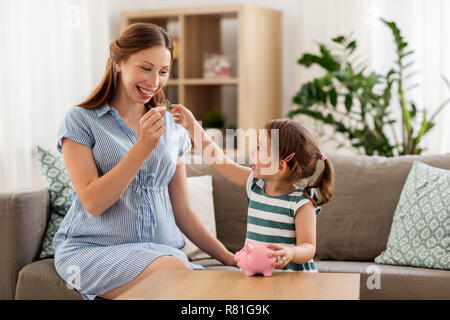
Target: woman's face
{"points": [[144, 73]]}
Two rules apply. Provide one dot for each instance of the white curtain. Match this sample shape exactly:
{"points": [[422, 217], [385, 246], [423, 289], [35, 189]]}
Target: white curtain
{"points": [[52, 54], [425, 25]]}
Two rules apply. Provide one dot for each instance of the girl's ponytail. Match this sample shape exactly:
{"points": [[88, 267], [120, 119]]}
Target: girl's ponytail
{"points": [[324, 184]]}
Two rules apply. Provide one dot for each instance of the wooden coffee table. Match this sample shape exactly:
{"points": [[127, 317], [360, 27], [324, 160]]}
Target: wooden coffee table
{"points": [[234, 285]]}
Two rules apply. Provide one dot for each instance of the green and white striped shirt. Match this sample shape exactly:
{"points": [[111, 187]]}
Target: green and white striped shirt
{"points": [[271, 218]]}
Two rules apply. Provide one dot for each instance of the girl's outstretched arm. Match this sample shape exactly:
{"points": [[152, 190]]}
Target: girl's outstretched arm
{"points": [[232, 171]]}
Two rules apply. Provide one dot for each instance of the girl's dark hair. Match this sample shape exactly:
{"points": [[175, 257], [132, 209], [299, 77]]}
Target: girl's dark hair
{"points": [[293, 137], [134, 38]]}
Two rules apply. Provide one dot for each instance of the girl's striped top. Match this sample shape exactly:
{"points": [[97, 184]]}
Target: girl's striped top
{"points": [[271, 218]]}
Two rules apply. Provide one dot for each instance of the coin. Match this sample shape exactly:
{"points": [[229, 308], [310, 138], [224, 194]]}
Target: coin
{"points": [[166, 103]]}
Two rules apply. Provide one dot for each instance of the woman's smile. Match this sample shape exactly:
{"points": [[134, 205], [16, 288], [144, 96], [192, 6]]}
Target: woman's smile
{"points": [[144, 93]]}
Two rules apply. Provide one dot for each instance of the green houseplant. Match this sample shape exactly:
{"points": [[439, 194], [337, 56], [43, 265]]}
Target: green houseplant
{"points": [[213, 119], [357, 102]]}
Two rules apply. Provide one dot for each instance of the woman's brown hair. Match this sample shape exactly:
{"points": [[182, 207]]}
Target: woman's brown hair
{"points": [[293, 137], [136, 37]]}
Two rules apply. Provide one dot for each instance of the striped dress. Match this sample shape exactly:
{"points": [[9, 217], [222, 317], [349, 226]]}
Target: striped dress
{"points": [[271, 218], [96, 255]]}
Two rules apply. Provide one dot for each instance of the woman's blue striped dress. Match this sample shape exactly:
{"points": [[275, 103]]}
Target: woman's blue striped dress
{"points": [[96, 255]]}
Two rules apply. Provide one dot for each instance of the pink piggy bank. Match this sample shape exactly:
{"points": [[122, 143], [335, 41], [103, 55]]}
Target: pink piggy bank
{"points": [[254, 258]]}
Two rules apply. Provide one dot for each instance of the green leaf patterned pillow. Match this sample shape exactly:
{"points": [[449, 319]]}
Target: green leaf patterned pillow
{"points": [[58, 182], [420, 231]]}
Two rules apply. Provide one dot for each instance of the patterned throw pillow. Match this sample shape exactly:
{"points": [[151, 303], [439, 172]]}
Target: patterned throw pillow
{"points": [[420, 231], [58, 182]]}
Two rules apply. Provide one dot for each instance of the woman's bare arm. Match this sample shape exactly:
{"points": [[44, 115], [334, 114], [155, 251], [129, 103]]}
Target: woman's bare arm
{"points": [[99, 193], [188, 221]]}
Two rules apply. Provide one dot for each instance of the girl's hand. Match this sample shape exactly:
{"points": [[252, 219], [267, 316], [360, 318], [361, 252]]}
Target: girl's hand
{"points": [[229, 260], [285, 254], [151, 127], [183, 116]]}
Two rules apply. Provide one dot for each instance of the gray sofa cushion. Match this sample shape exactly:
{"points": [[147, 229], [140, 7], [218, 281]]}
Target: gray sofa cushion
{"points": [[40, 281], [395, 282]]}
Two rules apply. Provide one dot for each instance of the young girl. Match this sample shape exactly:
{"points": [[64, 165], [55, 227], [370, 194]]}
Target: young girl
{"points": [[280, 213]]}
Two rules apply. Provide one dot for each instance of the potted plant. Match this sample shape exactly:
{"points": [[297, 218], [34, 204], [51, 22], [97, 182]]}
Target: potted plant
{"points": [[357, 102], [213, 119], [213, 124]]}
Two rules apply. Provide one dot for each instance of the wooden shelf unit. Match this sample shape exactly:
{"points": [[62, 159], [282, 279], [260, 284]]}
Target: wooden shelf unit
{"points": [[249, 35]]}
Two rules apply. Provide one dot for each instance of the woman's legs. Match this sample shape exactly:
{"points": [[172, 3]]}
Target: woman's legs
{"points": [[164, 262]]}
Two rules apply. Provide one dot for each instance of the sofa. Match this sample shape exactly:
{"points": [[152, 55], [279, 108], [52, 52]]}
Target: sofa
{"points": [[352, 230]]}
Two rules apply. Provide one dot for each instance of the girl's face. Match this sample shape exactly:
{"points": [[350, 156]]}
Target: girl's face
{"points": [[144, 73], [262, 156]]}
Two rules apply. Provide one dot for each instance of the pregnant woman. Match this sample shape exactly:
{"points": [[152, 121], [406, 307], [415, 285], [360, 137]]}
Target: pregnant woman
{"points": [[124, 156]]}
